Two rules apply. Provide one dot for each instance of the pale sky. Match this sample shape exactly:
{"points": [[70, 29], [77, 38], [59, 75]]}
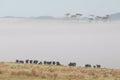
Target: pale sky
{"points": [[57, 7]]}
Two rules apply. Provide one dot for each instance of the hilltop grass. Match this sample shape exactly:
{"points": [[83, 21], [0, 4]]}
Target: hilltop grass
{"points": [[17, 71]]}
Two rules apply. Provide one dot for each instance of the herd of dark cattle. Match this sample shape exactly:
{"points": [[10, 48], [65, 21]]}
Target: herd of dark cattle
{"points": [[54, 63]]}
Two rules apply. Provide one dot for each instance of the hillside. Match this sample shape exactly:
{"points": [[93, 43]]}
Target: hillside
{"points": [[15, 71], [115, 16]]}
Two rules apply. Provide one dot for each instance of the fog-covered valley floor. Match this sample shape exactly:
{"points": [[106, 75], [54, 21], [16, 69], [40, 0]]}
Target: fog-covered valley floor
{"points": [[64, 41]]}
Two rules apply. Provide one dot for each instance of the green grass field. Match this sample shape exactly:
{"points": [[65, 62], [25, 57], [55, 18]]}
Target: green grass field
{"points": [[17, 71]]}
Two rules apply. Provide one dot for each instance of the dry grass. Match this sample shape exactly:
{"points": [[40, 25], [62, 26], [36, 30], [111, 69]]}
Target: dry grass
{"points": [[14, 71]]}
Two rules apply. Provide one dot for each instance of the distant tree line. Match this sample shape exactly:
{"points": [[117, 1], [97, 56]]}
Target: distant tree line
{"points": [[57, 63], [90, 18]]}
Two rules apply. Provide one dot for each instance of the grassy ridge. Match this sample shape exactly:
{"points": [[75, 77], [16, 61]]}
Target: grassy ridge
{"points": [[15, 71]]}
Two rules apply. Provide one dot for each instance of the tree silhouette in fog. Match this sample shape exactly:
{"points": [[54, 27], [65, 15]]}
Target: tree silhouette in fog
{"points": [[91, 17], [106, 18], [78, 16], [67, 15]]}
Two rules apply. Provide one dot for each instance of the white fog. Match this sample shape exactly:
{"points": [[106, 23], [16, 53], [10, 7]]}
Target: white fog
{"points": [[64, 41]]}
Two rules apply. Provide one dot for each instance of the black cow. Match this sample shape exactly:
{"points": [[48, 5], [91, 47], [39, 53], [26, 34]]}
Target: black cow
{"points": [[27, 61], [35, 61], [53, 62], [88, 66], [49, 63], [31, 61], [21, 61], [17, 61], [94, 66], [45, 62], [72, 64], [40, 63], [98, 66], [58, 63]]}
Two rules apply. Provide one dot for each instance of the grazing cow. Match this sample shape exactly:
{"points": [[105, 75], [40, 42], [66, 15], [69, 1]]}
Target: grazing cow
{"points": [[98, 66], [72, 64], [45, 62], [27, 61], [21, 61], [58, 63], [35, 61], [49, 63], [53, 62], [17, 61], [31, 61], [40, 63], [94, 66], [88, 66]]}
